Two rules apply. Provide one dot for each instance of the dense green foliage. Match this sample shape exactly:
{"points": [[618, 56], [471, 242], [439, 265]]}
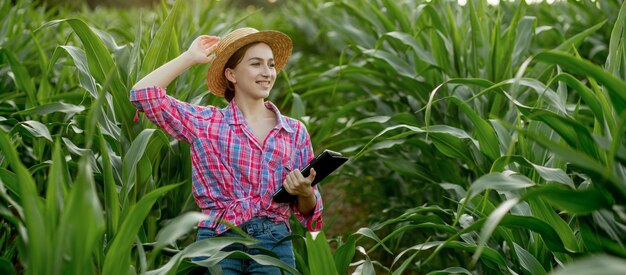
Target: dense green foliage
{"points": [[483, 139]]}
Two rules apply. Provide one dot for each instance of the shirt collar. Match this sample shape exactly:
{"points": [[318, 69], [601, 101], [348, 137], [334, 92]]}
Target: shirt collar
{"points": [[233, 115]]}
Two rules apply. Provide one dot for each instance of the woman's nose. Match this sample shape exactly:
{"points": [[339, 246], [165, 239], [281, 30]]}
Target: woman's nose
{"points": [[266, 71]]}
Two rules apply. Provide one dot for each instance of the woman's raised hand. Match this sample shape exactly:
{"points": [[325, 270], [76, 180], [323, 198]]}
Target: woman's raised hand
{"points": [[202, 49]]}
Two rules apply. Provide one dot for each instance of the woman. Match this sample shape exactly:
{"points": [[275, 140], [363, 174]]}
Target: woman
{"points": [[243, 153]]}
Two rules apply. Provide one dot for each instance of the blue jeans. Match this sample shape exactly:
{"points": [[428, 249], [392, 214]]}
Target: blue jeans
{"points": [[268, 233]]}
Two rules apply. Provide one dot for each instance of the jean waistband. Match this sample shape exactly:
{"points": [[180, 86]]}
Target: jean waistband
{"points": [[257, 224]]}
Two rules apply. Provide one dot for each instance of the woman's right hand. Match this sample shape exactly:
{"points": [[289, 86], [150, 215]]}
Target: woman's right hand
{"points": [[202, 49]]}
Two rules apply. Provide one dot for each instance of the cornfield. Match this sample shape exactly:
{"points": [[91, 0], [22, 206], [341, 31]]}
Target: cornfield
{"points": [[484, 139]]}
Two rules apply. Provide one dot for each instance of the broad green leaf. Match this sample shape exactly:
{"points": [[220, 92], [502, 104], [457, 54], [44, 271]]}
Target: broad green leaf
{"points": [[6, 267], [582, 161], [69, 109], [320, 259], [344, 254], [616, 55], [297, 107], [585, 93], [499, 182], [103, 69], [177, 227], [132, 158], [367, 232], [117, 259], [488, 254], [411, 42], [450, 270], [111, 196], [163, 46], [80, 242], [58, 183], [87, 81], [594, 264], [35, 236], [10, 181], [23, 80], [451, 146], [259, 258], [547, 173], [35, 128], [528, 261], [202, 248], [614, 85], [543, 211], [578, 202], [491, 224], [549, 234], [483, 131]]}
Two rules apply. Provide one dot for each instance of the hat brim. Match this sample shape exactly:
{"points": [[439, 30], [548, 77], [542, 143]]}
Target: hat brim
{"points": [[279, 42]]}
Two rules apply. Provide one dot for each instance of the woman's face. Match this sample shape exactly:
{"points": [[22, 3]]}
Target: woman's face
{"points": [[254, 76]]}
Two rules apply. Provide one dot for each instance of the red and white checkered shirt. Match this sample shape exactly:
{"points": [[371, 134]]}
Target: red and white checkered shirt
{"points": [[234, 175]]}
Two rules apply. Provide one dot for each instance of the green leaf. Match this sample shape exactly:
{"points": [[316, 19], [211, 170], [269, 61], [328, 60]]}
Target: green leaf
{"points": [[320, 260], [549, 234], [577, 202], [58, 181], [131, 160], [491, 224], [483, 131], [164, 44], [618, 34], [202, 248], [111, 196], [68, 109], [35, 236], [410, 41], [499, 182], [615, 86], [103, 69], [543, 211], [583, 161], [259, 258], [367, 232], [488, 254], [6, 267], [23, 79], [547, 173], [87, 81], [450, 270], [35, 128], [344, 254], [177, 227], [117, 259], [528, 261], [451, 146], [594, 264], [82, 208], [297, 107]]}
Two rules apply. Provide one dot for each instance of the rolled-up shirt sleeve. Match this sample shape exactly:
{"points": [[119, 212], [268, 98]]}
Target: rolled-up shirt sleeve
{"points": [[177, 118], [304, 155]]}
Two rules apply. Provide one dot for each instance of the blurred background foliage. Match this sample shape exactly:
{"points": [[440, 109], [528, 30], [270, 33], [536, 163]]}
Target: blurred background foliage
{"points": [[483, 138]]}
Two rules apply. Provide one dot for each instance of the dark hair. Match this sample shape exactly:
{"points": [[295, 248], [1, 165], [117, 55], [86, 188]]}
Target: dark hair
{"points": [[232, 62]]}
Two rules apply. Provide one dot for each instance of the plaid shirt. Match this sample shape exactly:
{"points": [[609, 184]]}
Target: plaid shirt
{"points": [[234, 175]]}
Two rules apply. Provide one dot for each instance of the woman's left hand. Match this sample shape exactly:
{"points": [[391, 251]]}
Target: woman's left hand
{"points": [[297, 184]]}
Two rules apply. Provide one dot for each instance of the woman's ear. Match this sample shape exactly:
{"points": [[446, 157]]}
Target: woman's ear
{"points": [[230, 75]]}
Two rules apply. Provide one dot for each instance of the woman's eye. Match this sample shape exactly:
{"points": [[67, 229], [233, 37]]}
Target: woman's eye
{"points": [[272, 65], [256, 64]]}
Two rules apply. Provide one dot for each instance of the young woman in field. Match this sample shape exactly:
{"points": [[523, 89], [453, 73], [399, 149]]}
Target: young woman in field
{"points": [[243, 153]]}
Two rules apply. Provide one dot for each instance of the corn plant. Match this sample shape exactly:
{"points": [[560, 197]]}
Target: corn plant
{"points": [[484, 139]]}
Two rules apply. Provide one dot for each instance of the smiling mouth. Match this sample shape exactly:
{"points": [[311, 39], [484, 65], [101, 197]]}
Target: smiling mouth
{"points": [[263, 83]]}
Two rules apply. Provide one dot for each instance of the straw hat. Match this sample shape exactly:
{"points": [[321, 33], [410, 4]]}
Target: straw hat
{"points": [[279, 42]]}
